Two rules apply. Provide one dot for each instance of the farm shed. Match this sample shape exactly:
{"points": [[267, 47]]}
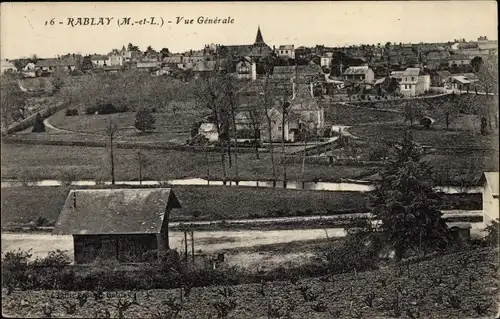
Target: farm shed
{"points": [[120, 224]]}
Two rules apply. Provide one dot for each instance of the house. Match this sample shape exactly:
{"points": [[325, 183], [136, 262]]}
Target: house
{"points": [[326, 59], [7, 67], [148, 66], [459, 60], [304, 114], [489, 182], [120, 224], [436, 59], [359, 74], [246, 69], [115, 60], [440, 78], [51, 66], [257, 50], [306, 74], [460, 83], [204, 68], [414, 82], [112, 69], [100, 60], [209, 130], [29, 71], [286, 72], [286, 51]]}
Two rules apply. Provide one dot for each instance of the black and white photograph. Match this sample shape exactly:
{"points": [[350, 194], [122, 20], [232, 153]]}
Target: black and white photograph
{"points": [[250, 160]]}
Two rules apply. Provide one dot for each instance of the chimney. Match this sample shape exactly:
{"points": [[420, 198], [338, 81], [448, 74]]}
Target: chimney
{"points": [[311, 87], [294, 90]]}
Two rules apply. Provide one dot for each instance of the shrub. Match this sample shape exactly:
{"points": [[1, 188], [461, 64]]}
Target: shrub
{"points": [[76, 73], [38, 126], [71, 112], [15, 269], [91, 109], [492, 231]]}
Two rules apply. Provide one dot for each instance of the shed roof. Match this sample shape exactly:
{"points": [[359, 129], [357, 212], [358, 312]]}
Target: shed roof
{"points": [[461, 79], [115, 211]]}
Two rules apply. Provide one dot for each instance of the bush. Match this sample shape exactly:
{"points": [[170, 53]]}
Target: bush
{"points": [[76, 73], [492, 232], [105, 108], [71, 112], [15, 269]]}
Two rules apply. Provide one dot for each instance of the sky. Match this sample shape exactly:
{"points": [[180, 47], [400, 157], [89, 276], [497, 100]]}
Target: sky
{"points": [[24, 33]]}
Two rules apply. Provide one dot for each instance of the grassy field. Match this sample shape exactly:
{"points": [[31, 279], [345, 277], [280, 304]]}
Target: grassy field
{"points": [[54, 162], [459, 285], [25, 204]]}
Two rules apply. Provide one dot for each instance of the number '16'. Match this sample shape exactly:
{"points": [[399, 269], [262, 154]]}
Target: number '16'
{"points": [[52, 22]]}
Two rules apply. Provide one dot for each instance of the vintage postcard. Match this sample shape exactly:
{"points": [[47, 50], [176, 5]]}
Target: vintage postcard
{"points": [[250, 159]]}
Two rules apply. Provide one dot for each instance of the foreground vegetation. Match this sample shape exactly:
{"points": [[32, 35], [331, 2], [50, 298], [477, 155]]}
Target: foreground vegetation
{"points": [[462, 284]]}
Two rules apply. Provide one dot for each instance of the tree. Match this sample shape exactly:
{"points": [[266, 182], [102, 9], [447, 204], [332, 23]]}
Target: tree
{"points": [[406, 204], [412, 112], [111, 130], [86, 64], [57, 84], [164, 53], [11, 100], [142, 162], [267, 95], [488, 79], [476, 63], [39, 126], [231, 100], [144, 120], [208, 94], [131, 47]]}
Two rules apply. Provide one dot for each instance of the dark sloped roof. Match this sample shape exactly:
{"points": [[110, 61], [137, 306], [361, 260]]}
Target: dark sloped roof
{"points": [[115, 211], [55, 62]]}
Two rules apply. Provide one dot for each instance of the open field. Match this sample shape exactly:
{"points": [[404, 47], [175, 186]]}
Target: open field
{"points": [[55, 162], [25, 204], [457, 285]]}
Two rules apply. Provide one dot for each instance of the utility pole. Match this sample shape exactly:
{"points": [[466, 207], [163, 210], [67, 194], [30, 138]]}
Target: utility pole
{"points": [[111, 130], [185, 246], [285, 114], [192, 244]]}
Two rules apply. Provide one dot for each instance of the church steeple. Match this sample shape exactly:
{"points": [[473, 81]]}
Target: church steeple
{"points": [[259, 39]]}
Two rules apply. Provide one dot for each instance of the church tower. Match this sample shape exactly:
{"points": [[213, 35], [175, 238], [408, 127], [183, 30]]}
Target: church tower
{"points": [[259, 40]]}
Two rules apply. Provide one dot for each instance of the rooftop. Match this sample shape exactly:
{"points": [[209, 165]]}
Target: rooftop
{"points": [[356, 70], [491, 179], [115, 211]]}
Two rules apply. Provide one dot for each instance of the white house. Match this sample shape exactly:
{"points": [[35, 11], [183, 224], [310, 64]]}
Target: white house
{"points": [[359, 74], [286, 51], [246, 69], [99, 60], [209, 130], [7, 67], [414, 82], [489, 182]]}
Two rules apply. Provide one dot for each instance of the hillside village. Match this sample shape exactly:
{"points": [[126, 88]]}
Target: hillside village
{"points": [[252, 180]]}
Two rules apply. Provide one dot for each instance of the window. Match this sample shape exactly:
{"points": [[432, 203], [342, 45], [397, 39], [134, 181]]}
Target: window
{"points": [[412, 78]]}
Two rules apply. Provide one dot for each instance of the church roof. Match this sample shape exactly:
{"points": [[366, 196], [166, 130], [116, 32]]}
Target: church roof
{"points": [[259, 39]]}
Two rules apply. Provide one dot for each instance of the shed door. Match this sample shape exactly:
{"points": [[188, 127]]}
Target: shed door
{"points": [[108, 249]]}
